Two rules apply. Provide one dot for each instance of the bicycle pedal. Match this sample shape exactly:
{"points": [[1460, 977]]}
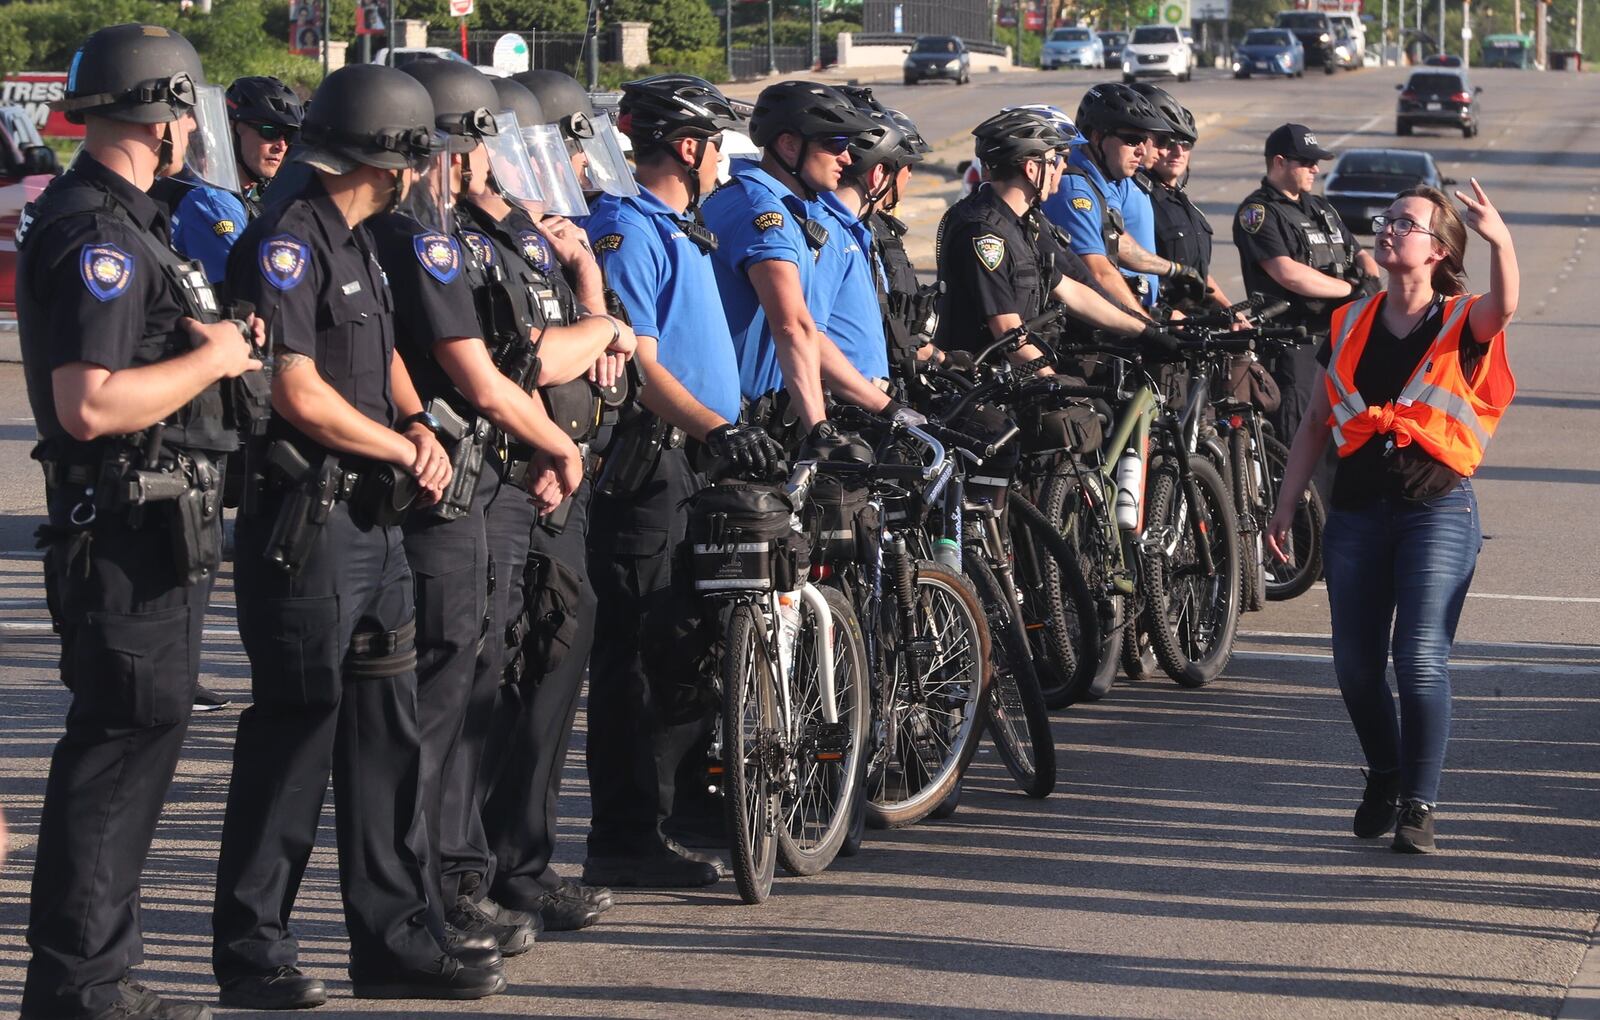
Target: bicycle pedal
{"points": [[827, 741]]}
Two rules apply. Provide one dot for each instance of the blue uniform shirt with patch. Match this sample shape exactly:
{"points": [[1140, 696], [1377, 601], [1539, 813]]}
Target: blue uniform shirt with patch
{"points": [[205, 225], [1075, 208], [669, 287], [856, 322], [1139, 218], [757, 219]]}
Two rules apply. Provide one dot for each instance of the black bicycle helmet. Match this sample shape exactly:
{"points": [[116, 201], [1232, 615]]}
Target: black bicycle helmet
{"points": [[1117, 107], [1191, 129], [262, 99], [140, 74], [662, 107], [368, 114], [563, 100], [1011, 136], [514, 96], [1169, 108], [916, 146], [806, 108], [882, 143]]}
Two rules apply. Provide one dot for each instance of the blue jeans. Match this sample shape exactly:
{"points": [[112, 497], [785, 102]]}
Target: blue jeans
{"points": [[1397, 577]]}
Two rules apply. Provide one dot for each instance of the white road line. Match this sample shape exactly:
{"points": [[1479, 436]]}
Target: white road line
{"points": [[1319, 586], [1346, 137], [1504, 646], [1548, 668], [45, 628]]}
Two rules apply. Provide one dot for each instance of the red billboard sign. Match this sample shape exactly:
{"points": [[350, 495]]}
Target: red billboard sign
{"points": [[34, 91]]}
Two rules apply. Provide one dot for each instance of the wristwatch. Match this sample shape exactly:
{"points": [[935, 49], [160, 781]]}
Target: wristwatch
{"points": [[423, 418]]}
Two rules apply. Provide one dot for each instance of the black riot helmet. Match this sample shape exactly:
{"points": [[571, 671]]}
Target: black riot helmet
{"points": [[662, 107], [563, 100], [1116, 107], [369, 114], [514, 96], [139, 74], [464, 100], [1170, 111], [262, 99], [806, 108]]}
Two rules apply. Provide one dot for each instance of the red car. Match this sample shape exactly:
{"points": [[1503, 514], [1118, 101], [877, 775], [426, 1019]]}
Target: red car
{"points": [[26, 166]]}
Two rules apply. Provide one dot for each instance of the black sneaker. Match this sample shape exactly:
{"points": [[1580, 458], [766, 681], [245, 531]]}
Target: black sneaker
{"points": [[447, 978], [513, 935], [208, 700], [284, 988], [661, 870], [137, 1001], [1414, 833], [597, 896], [1380, 804]]}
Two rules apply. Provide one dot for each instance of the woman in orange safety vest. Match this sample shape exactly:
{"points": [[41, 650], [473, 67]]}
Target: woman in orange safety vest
{"points": [[1417, 381]]}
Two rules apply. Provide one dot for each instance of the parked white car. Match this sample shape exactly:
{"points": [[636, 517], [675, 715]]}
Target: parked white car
{"points": [[1156, 51]]}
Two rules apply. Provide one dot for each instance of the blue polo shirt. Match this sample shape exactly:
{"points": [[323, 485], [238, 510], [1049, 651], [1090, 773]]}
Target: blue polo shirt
{"points": [[1075, 208], [1139, 216], [757, 219], [856, 323], [670, 290], [205, 224]]}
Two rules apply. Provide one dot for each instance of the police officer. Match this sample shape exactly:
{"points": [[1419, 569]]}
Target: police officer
{"points": [[1294, 247], [646, 707], [772, 233], [552, 605], [122, 354], [1117, 125], [585, 133], [1183, 234], [324, 591], [206, 220]]}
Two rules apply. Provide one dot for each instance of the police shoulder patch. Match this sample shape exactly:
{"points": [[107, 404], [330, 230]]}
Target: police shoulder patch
{"points": [[107, 270], [283, 260], [481, 246], [535, 248], [439, 255], [1082, 204], [222, 228], [610, 242], [767, 220], [991, 249], [1251, 216]]}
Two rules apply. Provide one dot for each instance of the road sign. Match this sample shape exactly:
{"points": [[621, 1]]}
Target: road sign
{"points": [[1175, 12], [510, 54], [1211, 10], [462, 8]]}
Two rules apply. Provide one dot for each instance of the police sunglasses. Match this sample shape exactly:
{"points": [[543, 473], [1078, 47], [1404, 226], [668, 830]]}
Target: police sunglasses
{"points": [[274, 132], [833, 145], [1166, 142], [1133, 139]]}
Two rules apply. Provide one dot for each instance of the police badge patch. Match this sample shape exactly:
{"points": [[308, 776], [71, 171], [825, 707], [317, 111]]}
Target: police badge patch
{"points": [[107, 270], [535, 249], [222, 228], [767, 220], [1082, 204], [991, 249], [609, 243], [439, 255], [1252, 216], [283, 261], [480, 245]]}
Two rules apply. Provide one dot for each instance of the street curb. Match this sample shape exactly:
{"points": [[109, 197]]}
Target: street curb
{"points": [[1583, 995], [10, 343]]}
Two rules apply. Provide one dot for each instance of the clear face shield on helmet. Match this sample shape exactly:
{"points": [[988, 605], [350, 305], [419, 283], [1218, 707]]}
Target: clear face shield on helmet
{"points": [[513, 171], [209, 154], [607, 166], [428, 197], [547, 154]]}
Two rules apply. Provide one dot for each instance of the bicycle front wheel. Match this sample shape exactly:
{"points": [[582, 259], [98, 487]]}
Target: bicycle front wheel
{"points": [[815, 811], [1292, 579], [751, 748], [1078, 510], [1193, 612], [1014, 715]]}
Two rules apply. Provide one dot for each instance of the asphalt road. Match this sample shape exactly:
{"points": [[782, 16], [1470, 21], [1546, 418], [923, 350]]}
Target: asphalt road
{"points": [[1196, 859]]}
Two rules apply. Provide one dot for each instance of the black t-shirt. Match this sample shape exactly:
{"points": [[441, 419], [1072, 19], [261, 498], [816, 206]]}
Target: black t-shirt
{"points": [[1378, 469], [432, 298]]}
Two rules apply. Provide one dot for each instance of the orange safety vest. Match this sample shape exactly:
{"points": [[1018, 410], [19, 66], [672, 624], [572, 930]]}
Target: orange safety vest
{"points": [[1440, 409]]}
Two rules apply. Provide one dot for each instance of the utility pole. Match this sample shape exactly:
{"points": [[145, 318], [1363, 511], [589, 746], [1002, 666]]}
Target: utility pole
{"points": [[1441, 27], [816, 38], [1577, 30], [1466, 33], [772, 53], [1516, 14], [388, 28], [728, 18], [1541, 34]]}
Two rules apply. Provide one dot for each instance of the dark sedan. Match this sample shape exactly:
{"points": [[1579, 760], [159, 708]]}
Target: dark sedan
{"points": [[938, 56], [1440, 98], [1113, 42], [1363, 182], [1269, 51]]}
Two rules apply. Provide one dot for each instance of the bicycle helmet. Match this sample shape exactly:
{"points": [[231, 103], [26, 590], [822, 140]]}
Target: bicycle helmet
{"points": [[805, 108], [139, 74], [1055, 115], [916, 146], [1116, 107], [1169, 109], [262, 99], [667, 106], [1011, 136]]}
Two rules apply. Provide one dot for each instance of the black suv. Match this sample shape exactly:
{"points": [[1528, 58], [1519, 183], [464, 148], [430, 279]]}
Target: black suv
{"points": [[1437, 96], [1316, 33], [938, 56]]}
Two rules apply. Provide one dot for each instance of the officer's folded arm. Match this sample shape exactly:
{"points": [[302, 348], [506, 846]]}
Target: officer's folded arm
{"points": [[1000, 325], [307, 402], [466, 361], [570, 245], [1299, 278], [1087, 304], [567, 352], [845, 381], [794, 334], [663, 395], [1110, 278], [93, 401]]}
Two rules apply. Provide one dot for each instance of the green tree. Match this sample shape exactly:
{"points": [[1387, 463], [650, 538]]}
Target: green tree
{"points": [[674, 24], [541, 15]]}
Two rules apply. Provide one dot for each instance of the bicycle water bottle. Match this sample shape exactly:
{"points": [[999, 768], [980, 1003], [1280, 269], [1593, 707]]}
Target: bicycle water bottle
{"points": [[788, 630], [1130, 489], [947, 552]]}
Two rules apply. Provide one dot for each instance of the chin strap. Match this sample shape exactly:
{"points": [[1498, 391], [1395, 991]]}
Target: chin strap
{"points": [[794, 171], [395, 197], [164, 154]]}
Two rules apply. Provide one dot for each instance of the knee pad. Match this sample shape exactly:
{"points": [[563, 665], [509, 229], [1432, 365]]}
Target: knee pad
{"points": [[381, 654]]}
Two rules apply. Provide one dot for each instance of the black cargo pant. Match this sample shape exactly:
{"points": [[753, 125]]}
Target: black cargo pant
{"points": [[449, 567], [532, 722], [646, 701], [309, 718], [130, 654], [1299, 375]]}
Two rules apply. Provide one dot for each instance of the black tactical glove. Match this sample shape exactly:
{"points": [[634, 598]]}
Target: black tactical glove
{"points": [[1186, 284], [1157, 340], [902, 414], [1362, 285], [960, 361], [747, 448]]}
